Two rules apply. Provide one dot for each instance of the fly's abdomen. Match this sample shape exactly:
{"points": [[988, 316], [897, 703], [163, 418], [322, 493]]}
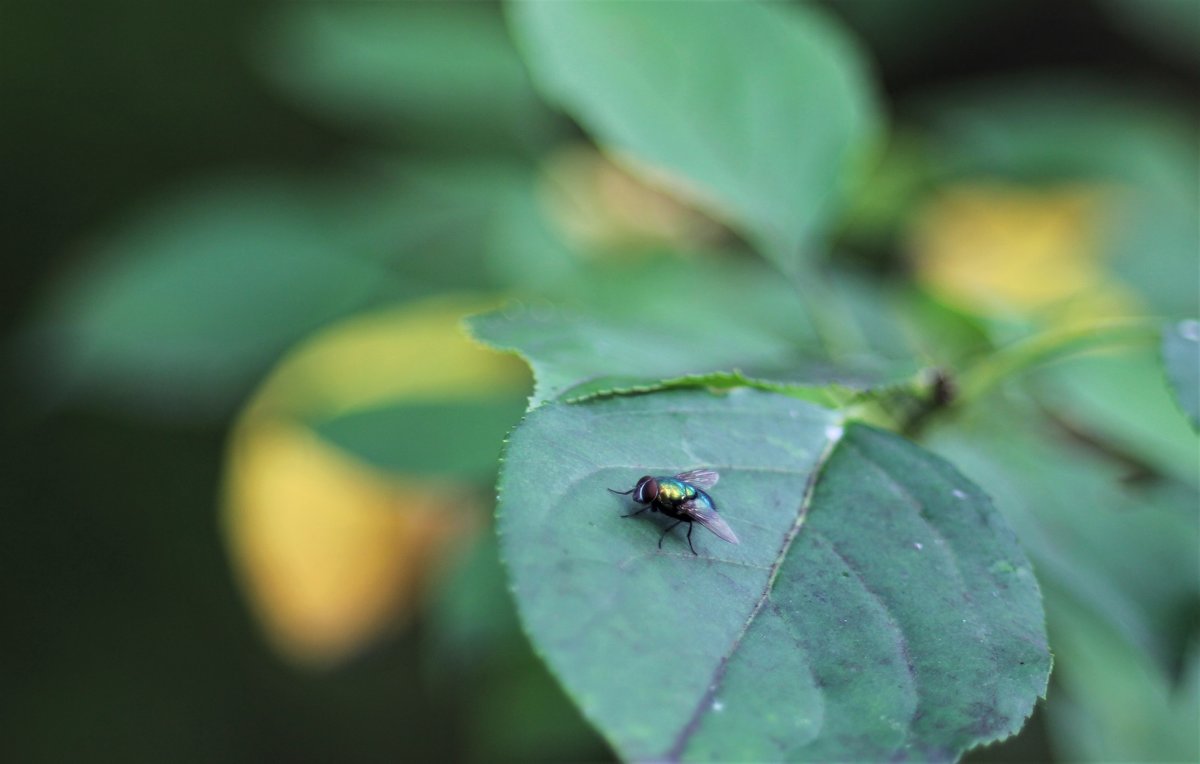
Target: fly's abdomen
{"points": [[705, 500]]}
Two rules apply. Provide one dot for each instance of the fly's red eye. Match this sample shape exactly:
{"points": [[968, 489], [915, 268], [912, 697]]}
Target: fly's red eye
{"points": [[647, 490]]}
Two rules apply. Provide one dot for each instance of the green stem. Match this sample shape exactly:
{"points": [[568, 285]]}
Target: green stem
{"points": [[1019, 356]]}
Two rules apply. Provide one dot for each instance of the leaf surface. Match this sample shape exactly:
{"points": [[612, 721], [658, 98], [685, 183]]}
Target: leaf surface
{"points": [[758, 112], [680, 322], [1124, 553], [1181, 356], [439, 74], [877, 607], [446, 438], [1119, 398]]}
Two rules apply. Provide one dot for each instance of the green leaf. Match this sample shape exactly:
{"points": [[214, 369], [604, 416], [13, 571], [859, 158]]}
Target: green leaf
{"points": [[1119, 398], [1120, 573], [446, 438], [179, 309], [760, 113], [677, 322], [1126, 554], [877, 606], [1181, 356], [437, 73], [466, 223], [1115, 705], [666, 318]]}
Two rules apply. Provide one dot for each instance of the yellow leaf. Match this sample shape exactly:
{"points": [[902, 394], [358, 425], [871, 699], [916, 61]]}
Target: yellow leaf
{"points": [[1013, 251], [604, 204], [330, 552], [415, 352]]}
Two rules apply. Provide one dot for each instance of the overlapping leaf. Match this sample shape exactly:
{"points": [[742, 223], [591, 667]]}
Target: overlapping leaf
{"points": [[1120, 399], [1181, 356], [437, 73], [1119, 572], [674, 323], [451, 438], [184, 305], [1126, 555], [759, 112]]}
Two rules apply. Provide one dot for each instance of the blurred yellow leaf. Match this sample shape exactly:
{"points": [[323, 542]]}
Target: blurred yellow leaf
{"points": [[602, 205], [1013, 251], [329, 551], [414, 352]]}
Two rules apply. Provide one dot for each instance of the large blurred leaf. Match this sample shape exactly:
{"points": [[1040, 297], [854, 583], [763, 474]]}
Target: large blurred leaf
{"points": [[1120, 399], [1114, 704], [633, 327], [441, 73], [1058, 131], [469, 222], [190, 300], [876, 608], [659, 319], [182, 307], [759, 112], [458, 439], [331, 549], [1181, 356], [1126, 555], [1119, 568]]}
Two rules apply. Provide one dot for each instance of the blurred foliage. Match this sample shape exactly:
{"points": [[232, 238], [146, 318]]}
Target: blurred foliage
{"points": [[1120, 572], [329, 551], [713, 112], [430, 73], [1181, 355], [244, 237]]}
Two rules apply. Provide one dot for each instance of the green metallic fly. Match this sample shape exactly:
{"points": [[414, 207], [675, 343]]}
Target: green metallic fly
{"points": [[683, 498]]}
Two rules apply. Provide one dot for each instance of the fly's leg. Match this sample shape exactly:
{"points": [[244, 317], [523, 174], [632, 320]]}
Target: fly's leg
{"points": [[664, 533], [691, 527], [640, 511]]}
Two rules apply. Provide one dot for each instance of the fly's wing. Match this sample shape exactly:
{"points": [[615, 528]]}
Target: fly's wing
{"points": [[700, 512], [702, 479]]}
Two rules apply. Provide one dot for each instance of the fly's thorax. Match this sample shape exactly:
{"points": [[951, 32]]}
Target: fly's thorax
{"points": [[672, 491]]}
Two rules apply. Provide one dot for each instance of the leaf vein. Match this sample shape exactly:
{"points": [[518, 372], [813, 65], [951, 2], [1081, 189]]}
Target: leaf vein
{"points": [[705, 703]]}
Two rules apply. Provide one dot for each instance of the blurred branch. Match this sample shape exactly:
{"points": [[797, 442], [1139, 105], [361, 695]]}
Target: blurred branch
{"points": [[978, 380]]}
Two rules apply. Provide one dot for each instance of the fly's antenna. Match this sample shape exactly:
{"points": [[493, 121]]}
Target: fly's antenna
{"points": [[620, 493]]}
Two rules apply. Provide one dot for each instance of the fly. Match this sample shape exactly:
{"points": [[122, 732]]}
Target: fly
{"points": [[683, 498]]}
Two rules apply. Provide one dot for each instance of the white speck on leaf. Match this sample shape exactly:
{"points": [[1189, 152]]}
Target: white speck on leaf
{"points": [[918, 545], [834, 432], [718, 706], [1189, 330], [959, 494]]}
